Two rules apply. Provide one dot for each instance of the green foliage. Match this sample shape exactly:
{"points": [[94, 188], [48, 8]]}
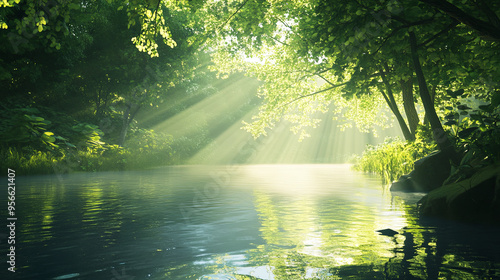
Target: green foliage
{"points": [[34, 144], [35, 162], [315, 56], [394, 157], [46, 22], [476, 126], [147, 148], [25, 125], [329, 55], [87, 136]]}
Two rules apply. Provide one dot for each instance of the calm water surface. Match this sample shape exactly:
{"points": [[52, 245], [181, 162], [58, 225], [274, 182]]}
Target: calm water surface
{"points": [[236, 222]]}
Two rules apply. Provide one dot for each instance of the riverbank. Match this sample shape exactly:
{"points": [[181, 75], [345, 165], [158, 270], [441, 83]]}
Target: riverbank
{"points": [[144, 149], [469, 192], [393, 158]]}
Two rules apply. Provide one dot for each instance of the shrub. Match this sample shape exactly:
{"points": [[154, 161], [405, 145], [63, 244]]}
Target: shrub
{"points": [[28, 162], [394, 157], [147, 148]]}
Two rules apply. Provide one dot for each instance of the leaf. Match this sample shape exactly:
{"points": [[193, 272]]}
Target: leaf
{"points": [[467, 132], [475, 117], [495, 99], [489, 120], [450, 116], [73, 6], [488, 108]]}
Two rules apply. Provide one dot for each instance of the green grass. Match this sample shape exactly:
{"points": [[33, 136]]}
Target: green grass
{"points": [[34, 163], [392, 159], [145, 149]]}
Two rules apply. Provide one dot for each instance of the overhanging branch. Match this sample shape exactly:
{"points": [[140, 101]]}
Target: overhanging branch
{"points": [[448, 28], [485, 28], [232, 15], [316, 92]]}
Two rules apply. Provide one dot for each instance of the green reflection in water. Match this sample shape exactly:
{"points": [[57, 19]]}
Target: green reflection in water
{"points": [[315, 237], [320, 231], [304, 241]]}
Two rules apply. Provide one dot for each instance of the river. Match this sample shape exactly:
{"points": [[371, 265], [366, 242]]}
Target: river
{"points": [[236, 222]]}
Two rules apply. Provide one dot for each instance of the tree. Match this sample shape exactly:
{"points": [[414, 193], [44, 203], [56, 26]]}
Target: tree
{"points": [[488, 28], [352, 55], [95, 71], [359, 50], [28, 22]]}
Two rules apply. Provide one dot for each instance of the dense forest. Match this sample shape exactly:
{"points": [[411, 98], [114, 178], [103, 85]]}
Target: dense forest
{"points": [[72, 89], [75, 75]]}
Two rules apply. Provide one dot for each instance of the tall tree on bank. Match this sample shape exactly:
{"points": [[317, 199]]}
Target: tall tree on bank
{"points": [[359, 50], [93, 71], [348, 45], [439, 134]]}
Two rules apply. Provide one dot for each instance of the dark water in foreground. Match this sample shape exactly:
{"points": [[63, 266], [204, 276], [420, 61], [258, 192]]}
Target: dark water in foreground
{"points": [[235, 222]]}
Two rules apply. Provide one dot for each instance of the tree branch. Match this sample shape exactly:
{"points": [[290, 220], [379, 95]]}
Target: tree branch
{"points": [[232, 15], [314, 93], [484, 28], [406, 25], [326, 80], [448, 28], [285, 44], [439, 134], [387, 38], [492, 17], [394, 106]]}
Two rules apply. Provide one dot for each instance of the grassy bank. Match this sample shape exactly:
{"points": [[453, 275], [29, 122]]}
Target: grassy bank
{"points": [[393, 158], [30, 162], [42, 141], [144, 149]]}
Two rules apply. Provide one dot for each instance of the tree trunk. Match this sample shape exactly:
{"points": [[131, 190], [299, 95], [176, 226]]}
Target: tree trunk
{"points": [[389, 98], [433, 97], [409, 104], [125, 124], [98, 105], [128, 116], [439, 134]]}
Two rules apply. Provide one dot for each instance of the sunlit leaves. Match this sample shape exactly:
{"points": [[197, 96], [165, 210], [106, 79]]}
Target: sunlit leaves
{"points": [[346, 41], [34, 18], [152, 25], [307, 62]]}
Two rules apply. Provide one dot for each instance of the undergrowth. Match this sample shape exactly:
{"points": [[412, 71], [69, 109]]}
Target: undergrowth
{"points": [[393, 158], [144, 149]]}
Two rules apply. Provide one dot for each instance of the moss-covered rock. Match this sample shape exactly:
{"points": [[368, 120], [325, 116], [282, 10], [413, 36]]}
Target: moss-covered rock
{"points": [[476, 199], [428, 174]]}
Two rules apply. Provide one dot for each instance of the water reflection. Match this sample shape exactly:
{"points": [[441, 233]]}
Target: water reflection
{"points": [[238, 222]]}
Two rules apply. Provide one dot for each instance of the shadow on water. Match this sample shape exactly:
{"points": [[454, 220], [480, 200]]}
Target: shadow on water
{"points": [[238, 222]]}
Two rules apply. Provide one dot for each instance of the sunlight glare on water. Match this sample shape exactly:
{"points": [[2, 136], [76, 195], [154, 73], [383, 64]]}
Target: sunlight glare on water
{"points": [[234, 222]]}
